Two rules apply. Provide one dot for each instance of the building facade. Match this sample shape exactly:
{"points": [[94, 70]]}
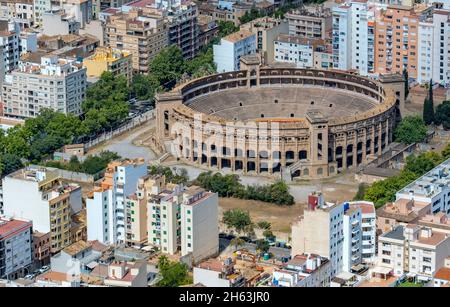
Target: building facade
{"points": [[55, 83], [228, 53], [316, 25], [297, 50], [141, 35], [107, 203], [15, 247], [45, 200], [118, 62]]}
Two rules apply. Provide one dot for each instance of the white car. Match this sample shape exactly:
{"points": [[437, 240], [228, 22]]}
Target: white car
{"points": [[44, 269], [29, 276]]}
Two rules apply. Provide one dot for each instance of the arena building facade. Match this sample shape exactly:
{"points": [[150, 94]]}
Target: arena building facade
{"points": [[292, 122]]}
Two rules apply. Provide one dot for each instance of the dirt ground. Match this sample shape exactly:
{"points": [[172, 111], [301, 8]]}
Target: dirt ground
{"points": [[280, 217]]}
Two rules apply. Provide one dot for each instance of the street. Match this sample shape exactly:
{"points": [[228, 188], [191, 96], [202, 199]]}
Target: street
{"points": [[278, 252]]}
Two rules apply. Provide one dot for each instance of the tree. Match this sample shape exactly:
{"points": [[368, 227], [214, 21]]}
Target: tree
{"points": [[168, 65], [262, 246], [226, 28], [411, 129], [442, 115], [422, 163], [361, 191], [9, 163], [428, 106], [144, 87], [174, 274], [237, 219], [237, 242], [446, 152], [406, 78], [264, 225]]}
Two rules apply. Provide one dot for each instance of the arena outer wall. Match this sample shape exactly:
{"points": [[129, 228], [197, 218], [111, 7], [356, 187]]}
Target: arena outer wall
{"points": [[309, 147]]}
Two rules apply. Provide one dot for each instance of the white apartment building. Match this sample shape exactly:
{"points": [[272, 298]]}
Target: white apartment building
{"points": [[55, 83], [40, 195], [352, 247], [321, 231], [434, 40], [414, 249], [15, 247], [106, 206], [425, 52], [57, 22], [227, 54], [369, 230], [297, 50], [40, 7], [184, 218], [353, 37], [9, 41], [199, 228], [432, 188]]}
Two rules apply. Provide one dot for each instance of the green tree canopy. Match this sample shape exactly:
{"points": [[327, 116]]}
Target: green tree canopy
{"points": [[442, 115], [168, 65], [174, 274], [428, 106], [410, 130], [238, 220]]}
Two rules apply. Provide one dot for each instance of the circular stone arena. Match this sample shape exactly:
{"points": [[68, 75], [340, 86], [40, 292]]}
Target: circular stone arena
{"points": [[284, 122]]}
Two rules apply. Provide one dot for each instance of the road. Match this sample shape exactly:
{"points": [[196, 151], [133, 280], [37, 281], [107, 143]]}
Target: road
{"points": [[278, 252]]}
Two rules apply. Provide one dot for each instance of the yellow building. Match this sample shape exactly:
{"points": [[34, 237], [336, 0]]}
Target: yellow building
{"points": [[108, 59]]}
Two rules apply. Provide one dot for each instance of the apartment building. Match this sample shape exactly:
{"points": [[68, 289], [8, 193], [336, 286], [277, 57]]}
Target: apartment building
{"points": [[106, 206], [116, 61], [136, 212], [185, 219], [266, 29], [20, 11], [414, 249], [40, 7], [353, 37], [433, 45], [432, 188], [144, 36], [368, 230], [80, 9], [320, 231], [15, 247], [27, 42], [396, 41], [227, 54], [44, 199], [41, 248], [303, 271], [55, 83], [352, 251], [199, 223], [298, 50], [308, 24], [10, 44], [58, 22]]}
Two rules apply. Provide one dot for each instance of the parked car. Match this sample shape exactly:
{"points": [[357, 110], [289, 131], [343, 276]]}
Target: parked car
{"points": [[44, 269], [30, 276]]}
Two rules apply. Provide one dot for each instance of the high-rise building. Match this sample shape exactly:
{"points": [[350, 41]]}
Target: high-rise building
{"points": [[184, 218], [41, 196], [106, 206], [10, 43], [353, 37], [143, 35], [55, 83], [396, 41]]}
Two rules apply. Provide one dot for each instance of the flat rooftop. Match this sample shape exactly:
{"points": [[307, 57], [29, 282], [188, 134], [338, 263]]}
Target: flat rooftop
{"points": [[430, 184]]}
